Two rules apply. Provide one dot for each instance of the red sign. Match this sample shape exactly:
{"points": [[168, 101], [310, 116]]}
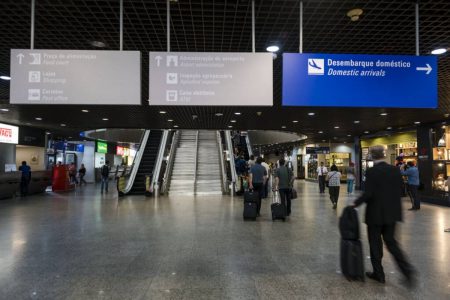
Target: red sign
{"points": [[120, 150], [6, 132]]}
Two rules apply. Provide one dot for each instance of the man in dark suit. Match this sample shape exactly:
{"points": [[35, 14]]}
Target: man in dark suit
{"points": [[383, 210]]}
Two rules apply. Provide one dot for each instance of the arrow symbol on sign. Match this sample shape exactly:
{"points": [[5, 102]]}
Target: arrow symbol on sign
{"points": [[20, 56], [158, 60], [427, 68]]}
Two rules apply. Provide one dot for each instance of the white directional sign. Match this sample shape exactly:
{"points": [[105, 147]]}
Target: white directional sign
{"points": [[75, 77], [211, 79]]}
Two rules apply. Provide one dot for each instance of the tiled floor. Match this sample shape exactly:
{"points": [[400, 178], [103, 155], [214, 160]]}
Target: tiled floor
{"points": [[84, 245]]}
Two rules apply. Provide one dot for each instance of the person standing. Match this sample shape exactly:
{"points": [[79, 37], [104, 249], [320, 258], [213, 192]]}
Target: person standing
{"points": [[82, 173], [321, 173], [251, 161], [334, 184], [284, 179], [105, 177], [350, 178], [258, 176], [413, 184], [266, 182], [383, 211], [25, 178], [73, 173]]}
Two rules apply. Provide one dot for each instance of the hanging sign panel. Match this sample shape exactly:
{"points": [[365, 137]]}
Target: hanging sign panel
{"points": [[211, 79], [346, 80], [9, 134], [75, 77]]}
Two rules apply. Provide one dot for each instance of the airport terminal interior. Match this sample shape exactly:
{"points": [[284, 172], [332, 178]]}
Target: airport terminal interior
{"points": [[229, 149]]}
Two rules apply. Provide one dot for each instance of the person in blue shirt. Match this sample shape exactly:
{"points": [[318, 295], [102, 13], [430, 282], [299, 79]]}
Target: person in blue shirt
{"points": [[25, 179], [413, 184]]}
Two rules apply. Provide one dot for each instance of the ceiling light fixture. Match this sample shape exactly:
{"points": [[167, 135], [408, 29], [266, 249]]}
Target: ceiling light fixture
{"points": [[273, 48], [85, 110], [383, 114], [170, 120], [336, 127], [163, 112], [389, 128], [105, 119], [175, 126], [237, 113], [356, 122], [218, 114], [354, 14], [284, 127], [233, 121], [4, 109], [63, 125], [311, 114], [5, 77], [38, 119], [366, 132], [417, 122], [320, 131], [229, 126], [98, 44], [295, 121], [439, 51]]}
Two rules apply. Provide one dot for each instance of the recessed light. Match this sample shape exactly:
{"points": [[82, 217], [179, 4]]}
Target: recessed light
{"points": [[383, 114], [356, 122], [321, 131], [63, 125], [295, 121], [323, 140], [4, 109], [233, 121], [48, 132], [98, 44], [218, 114], [175, 126], [349, 135], [5, 77], [237, 113], [366, 132], [389, 128], [163, 112], [311, 114], [335, 138], [85, 110], [417, 122], [105, 119], [38, 119], [446, 115], [273, 48], [336, 127], [439, 51], [283, 127], [170, 120], [229, 126]]}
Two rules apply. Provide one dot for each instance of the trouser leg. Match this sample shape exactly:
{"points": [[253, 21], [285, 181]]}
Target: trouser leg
{"points": [[258, 187], [336, 193], [415, 196], [388, 232], [322, 184], [376, 249]]}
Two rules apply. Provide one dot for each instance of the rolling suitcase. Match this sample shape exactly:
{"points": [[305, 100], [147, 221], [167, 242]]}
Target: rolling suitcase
{"points": [[352, 263], [251, 196], [250, 210], [278, 209]]}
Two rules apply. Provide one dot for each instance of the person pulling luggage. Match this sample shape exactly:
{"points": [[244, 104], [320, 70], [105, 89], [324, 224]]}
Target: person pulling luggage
{"points": [[258, 175], [284, 179]]}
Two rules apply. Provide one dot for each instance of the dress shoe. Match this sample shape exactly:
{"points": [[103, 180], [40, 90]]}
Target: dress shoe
{"points": [[372, 275]]}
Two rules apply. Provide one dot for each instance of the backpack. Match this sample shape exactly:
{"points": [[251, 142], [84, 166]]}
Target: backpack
{"points": [[349, 224], [105, 171]]}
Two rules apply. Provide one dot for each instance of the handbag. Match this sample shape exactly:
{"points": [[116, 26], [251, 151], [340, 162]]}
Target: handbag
{"points": [[293, 194]]}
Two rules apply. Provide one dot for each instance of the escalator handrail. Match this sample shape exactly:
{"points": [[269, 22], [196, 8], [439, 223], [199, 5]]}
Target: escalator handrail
{"points": [[222, 163], [249, 145], [231, 157], [137, 162], [196, 162], [159, 159], [170, 162]]}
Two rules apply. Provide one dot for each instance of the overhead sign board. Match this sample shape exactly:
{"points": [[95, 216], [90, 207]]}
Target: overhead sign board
{"points": [[359, 80], [75, 77], [9, 134], [317, 150], [211, 79]]}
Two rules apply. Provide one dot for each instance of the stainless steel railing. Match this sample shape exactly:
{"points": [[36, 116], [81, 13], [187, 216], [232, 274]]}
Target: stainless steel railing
{"points": [[169, 167], [231, 158], [136, 162], [222, 164], [159, 160]]}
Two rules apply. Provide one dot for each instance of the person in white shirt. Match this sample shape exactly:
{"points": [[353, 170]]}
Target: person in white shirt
{"points": [[251, 161], [321, 174], [266, 184]]}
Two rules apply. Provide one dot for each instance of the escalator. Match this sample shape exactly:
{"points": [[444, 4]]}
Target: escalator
{"points": [[147, 163]]}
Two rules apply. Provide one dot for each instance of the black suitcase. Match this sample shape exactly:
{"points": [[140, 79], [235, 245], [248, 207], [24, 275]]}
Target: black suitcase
{"points": [[251, 196], [352, 263], [250, 210], [278, 211]]}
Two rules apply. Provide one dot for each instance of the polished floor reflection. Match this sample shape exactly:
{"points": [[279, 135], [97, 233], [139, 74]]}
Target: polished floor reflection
{"points": [[84, 245]]}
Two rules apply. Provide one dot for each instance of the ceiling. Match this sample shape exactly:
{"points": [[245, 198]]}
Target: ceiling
{"points": [[386, 27]]}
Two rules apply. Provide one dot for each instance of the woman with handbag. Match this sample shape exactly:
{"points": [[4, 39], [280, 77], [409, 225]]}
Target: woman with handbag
{"points": [[334, 184]]}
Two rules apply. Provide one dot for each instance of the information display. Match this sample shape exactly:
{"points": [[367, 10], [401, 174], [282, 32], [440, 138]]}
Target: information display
{"points": [[102, 147], [75, 77], [359, 80], [9, 134], [211, 79]]}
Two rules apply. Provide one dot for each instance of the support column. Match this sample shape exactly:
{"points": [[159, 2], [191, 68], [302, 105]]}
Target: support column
{"points": [[425, 157], [358, 157]]}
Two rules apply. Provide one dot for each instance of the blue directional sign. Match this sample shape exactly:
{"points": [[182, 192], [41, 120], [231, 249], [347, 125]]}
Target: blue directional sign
{"points": [[346, 80]]}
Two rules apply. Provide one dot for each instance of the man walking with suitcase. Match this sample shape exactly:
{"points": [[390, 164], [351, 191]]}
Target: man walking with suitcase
{"points": [[383, 210], [284, 179], [258, 176]]}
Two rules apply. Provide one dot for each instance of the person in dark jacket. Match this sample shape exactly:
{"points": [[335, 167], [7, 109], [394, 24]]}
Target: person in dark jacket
{"points": [[383, 211], [25, 178]]}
